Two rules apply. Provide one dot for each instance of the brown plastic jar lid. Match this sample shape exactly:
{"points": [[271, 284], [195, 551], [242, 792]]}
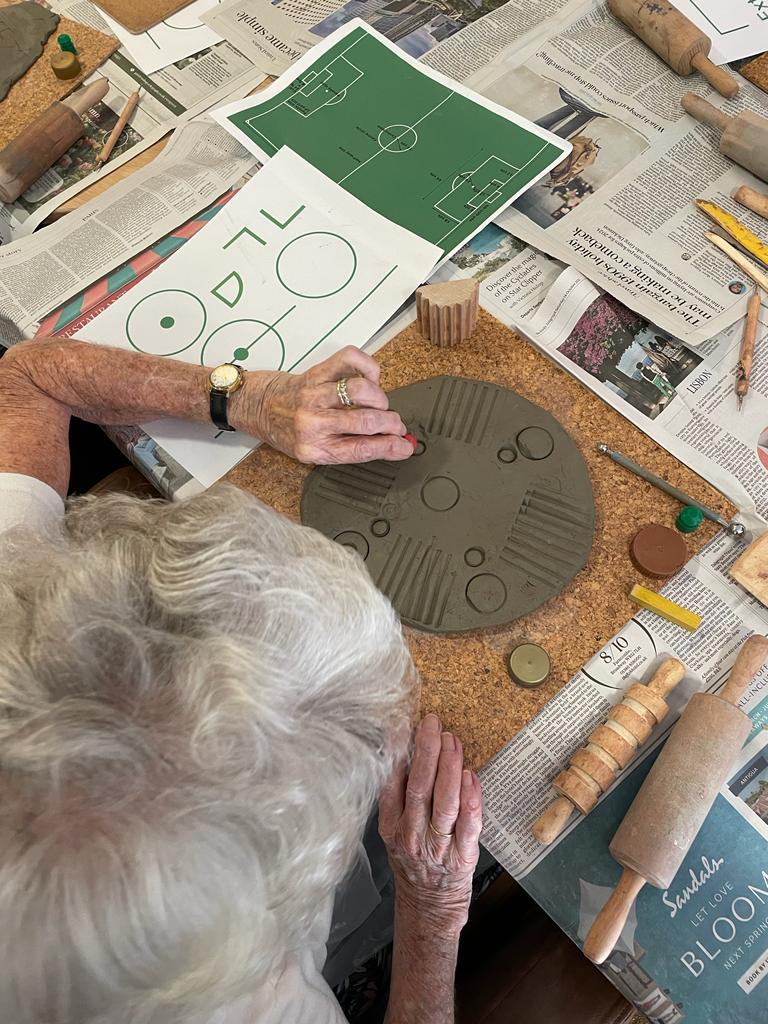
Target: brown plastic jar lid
{"points": [[658, 551]]}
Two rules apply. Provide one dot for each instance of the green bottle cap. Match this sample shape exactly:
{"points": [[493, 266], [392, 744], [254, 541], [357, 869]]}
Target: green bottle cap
{"points": [[529, 665], [65, 43], [689, 519]]}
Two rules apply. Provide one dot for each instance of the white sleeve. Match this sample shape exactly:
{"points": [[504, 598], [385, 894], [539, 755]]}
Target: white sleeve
{"points": [[27, 501]]}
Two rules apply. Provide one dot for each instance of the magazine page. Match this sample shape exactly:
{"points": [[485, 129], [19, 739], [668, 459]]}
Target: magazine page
{"points": [[615, 208], [169, 96]]}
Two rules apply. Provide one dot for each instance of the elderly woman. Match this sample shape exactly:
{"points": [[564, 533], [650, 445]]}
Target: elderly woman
{"points": [[201, 703]]}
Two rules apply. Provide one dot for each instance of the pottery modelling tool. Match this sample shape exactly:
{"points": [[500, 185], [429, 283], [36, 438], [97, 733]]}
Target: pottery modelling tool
{"points": [[752, 272], [529, 666], [672, 803], [736, 230], [41, 144], [609, 748], [689, 519], [673, 37], [733, 528], [65, 65], [747, 352], [130, 105], [744, 138], [446, 313], [755, 201], [751, 569], [667, 609], [658, 551]]}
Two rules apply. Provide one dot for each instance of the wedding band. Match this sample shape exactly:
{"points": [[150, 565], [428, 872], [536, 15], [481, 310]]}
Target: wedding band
{"points": [[443, 835], [341, 391]]}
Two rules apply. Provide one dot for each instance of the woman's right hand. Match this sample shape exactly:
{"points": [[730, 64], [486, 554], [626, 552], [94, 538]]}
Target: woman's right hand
{"points": [[430, 819]]}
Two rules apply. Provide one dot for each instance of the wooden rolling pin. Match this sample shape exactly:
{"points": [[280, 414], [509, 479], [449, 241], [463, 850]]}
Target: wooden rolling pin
{"points": [[755, 201], [744, 138], [673, 37], [672, 803], [41, 143], [609, 748]]}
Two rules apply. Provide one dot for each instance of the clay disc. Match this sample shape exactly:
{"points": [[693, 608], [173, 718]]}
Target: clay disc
{"points": [[491, 516], [658, 551]]}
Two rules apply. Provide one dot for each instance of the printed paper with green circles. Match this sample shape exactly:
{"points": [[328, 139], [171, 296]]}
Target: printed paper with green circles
{"points": [[410, 143], [289, 271]]}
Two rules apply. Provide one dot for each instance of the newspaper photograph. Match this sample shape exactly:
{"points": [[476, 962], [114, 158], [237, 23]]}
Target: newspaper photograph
{"points": [[674, 961], [176, 93], [613, 208]]}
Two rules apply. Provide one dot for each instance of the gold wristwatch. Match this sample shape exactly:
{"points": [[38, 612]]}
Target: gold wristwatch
{"points": [[224, 381]]}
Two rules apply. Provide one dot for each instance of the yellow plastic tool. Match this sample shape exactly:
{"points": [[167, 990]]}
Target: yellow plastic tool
{"points": [[663, 606], [738, 231]]}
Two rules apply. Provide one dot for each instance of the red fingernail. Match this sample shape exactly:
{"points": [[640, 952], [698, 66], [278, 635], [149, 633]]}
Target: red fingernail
{"points": [[411, 438]]}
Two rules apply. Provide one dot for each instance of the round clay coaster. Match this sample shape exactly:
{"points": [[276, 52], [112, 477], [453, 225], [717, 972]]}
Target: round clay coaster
{"points": [[491, 516], [658, 551]]}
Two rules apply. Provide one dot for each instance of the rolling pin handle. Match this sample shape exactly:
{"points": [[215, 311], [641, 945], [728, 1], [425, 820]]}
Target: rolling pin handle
{"points": [[750, 659], [755, 201], [666, 677], [702, 111], [717, 77], [552, 821], [609, 923]]}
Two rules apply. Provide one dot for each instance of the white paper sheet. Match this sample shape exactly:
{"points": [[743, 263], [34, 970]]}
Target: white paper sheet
{"points": [[737, 28], [291, 270], [170, 40]]}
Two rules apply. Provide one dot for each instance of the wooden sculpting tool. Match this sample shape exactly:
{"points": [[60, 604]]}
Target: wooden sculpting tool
{"points": [[755, 201], [733, 254], [745, 136], [41, 144], [130, 105], [672, 803], [609, 748], [747, 353], [739, 232], [733, 528], [674, 38]]}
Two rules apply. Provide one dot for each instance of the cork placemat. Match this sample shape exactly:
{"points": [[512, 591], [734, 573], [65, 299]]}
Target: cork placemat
{"points": [[756, 71], [139, 15], [38, 88], [464, 677]]}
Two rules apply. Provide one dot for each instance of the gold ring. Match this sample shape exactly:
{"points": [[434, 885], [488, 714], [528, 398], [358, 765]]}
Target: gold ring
{"points": [[341, 391], [443, 835]]}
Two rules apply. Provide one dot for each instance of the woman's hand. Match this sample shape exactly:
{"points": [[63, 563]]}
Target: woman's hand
{"points": [[430, 820], [302, 414]]}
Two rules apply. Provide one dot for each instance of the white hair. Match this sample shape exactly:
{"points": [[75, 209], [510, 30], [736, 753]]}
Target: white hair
{"points": [[196, 709]]}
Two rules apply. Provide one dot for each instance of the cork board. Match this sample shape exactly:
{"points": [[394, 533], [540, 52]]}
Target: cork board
{"points": [[757, 71], [38, 88], [464, 677], [139, 15]]}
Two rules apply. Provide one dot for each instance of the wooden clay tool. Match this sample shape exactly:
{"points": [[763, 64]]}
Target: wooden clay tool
{"points": [[747, 352], [755, 201], [609, 748], [742, 262], [446, 312], [744, 138], [41, 144], [674, 38], [671, 805], [736, 231], [130, 105]]}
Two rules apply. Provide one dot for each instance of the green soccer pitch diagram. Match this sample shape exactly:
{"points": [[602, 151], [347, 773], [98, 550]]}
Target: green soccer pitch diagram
{"points": [[417, 151]]}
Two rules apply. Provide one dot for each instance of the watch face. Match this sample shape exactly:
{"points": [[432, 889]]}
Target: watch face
{"points": [[224, 376]]}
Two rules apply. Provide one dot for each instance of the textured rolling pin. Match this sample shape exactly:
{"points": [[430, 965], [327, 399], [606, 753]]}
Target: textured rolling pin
{"points": [[679, 43], [609, 748], [744, 137], [41, 143], [672, 803]]}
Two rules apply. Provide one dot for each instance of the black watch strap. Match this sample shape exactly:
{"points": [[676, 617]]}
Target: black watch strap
{"points": [[219, 401]]}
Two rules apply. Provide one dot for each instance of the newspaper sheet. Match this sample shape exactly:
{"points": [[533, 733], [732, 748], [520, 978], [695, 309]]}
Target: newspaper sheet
{"points": [[692, 968], [40, 272], [266, 34], [178, 92], [620, 208]]}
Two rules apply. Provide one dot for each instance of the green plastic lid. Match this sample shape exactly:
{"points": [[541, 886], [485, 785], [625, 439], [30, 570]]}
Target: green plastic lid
{"points": [[689, 519], [65, 43]]}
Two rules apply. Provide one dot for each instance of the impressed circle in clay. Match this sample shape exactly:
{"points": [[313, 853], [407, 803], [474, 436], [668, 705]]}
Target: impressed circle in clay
{"points": [[491, 516]]}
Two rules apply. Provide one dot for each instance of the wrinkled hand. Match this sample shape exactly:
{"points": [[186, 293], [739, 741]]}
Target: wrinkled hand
{"points": [[432, 873], [301, 414]]}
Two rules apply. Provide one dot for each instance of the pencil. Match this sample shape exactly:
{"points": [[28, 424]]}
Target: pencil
{"points": [[114, 135], [747, 352]]}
